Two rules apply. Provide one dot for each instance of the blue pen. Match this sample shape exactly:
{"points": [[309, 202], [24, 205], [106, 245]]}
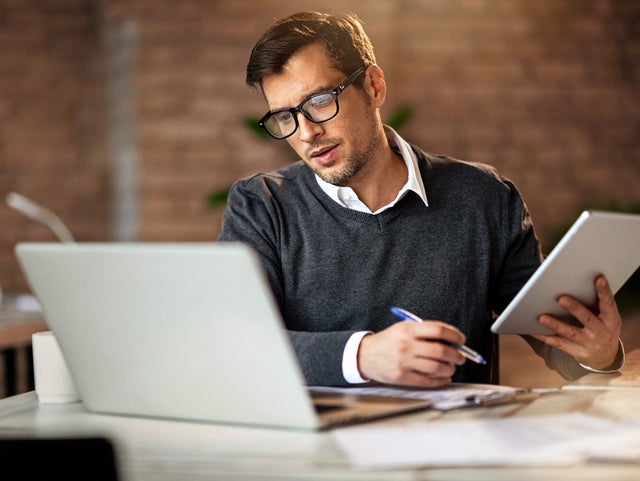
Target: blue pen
{"points": [[462, 349]]}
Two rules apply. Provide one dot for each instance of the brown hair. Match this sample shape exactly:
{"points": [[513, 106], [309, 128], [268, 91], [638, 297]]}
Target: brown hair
{"points": [[342, 35]]}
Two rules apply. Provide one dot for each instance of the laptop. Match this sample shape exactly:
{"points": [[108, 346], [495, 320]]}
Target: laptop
{"points": [[181, 330], [598, 242]]}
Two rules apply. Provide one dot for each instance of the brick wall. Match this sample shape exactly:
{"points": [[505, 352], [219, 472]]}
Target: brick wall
{"points": [[548, 92], [51, 123]]}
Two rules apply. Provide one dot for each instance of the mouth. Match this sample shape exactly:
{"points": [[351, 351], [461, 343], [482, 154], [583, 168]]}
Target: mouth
{"points": [[324, 155]]}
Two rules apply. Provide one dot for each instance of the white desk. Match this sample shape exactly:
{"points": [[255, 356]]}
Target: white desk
{"points": [[150, 449]]}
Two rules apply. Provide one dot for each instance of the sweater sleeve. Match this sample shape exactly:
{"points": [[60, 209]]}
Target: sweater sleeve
{"points": [[520, 250], [253, 217]]}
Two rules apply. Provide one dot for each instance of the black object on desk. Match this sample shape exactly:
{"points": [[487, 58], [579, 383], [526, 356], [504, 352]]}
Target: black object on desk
{"points": [[66, 459]]}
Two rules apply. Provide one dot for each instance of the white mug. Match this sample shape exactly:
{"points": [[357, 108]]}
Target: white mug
{"points": [[53, 381]]}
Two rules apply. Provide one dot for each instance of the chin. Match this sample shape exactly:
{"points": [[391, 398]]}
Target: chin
{"points": [[328, 174]]}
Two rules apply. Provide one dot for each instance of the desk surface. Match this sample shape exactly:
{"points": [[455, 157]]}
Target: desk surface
{"points": [[161, 450]]}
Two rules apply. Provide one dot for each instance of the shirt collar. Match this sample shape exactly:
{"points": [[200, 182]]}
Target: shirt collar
{"points": [[346, 197]]}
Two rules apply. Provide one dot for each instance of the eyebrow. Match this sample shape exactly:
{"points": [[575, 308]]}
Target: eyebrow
{"points": [[306, 97], [313, 92]]}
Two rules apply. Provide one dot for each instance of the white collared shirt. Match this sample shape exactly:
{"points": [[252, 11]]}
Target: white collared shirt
{"points": [[346, 197]]}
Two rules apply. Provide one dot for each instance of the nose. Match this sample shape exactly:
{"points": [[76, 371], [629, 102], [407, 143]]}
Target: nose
{"points": [[308, 130]]}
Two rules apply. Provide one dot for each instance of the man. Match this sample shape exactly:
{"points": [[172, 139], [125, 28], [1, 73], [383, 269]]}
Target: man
{"points": [[366, 221]]}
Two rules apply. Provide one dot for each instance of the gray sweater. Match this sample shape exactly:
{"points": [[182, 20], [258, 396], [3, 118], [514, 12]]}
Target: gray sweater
{"points": [[335, 271]]}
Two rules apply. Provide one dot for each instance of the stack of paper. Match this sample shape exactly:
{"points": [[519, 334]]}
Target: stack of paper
{"points": [[558, 439]]}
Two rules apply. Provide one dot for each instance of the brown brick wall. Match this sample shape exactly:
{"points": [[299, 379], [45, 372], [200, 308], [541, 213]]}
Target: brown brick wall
{"points": [[51, 122], [548, 92]]}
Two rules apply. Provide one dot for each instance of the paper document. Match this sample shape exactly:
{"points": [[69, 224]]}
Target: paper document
{"points": [[559, 439], [452, 396]]}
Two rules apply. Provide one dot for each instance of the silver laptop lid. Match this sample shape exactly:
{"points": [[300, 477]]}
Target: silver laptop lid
{"points": [[185, 331]]}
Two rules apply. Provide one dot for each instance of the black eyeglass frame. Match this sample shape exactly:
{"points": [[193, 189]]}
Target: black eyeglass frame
{"points": [[294, 110]]}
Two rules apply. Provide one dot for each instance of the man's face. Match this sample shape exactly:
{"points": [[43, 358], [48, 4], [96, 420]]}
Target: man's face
{"points": [[341, 148]]}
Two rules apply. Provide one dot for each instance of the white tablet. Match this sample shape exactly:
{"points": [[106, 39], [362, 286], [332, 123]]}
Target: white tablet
{"points": [[598, 243]]}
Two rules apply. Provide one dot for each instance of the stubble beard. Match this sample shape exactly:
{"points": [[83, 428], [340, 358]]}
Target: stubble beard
{"points": [[353, 165]]}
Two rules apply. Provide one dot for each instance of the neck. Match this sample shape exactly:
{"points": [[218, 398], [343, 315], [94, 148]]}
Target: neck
{"points": [[379, 183]]}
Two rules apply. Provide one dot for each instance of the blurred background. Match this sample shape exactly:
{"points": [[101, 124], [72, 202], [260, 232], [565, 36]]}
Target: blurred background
{"points": [[126, 117]]}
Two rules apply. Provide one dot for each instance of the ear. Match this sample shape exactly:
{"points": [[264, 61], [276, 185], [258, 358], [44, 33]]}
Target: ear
{"points": [[375, 86]]}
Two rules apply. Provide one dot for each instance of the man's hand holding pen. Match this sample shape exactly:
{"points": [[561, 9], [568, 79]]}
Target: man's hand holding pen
{"points": [[467, 352], [421, 354]]}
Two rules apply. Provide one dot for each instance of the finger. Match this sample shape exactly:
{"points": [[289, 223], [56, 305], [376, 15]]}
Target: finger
{"points": [[416, 371], [432, 367], [557, 341], [418, 379], [439, 331], [606, 303], [561, 329], [580, 312], [571, 347], [441, 352], [547, 339], [567, 338], [409, 377]]}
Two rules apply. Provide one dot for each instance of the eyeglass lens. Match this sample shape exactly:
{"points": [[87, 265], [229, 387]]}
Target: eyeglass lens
{"points": [[318, 108]]}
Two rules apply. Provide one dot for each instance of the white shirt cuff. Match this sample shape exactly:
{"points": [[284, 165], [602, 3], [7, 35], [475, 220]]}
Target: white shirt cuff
{"points": [[350, 370], [620, 356]]}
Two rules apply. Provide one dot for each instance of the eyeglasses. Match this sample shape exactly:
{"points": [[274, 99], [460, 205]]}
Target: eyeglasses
{"points": [[316, 108]]}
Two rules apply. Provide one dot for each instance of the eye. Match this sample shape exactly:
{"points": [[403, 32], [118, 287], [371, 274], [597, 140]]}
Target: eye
{"points": [[282, 117], [320, 101]]}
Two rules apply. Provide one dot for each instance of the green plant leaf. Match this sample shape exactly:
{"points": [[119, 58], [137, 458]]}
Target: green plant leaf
{"points": [[252, 124], [399, 117], [218, 198]]}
